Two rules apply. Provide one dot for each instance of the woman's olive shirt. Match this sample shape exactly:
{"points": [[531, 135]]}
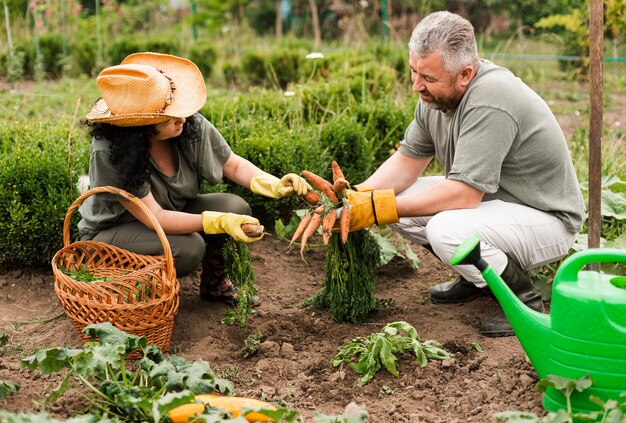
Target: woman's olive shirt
{"points": [[202, 159]]}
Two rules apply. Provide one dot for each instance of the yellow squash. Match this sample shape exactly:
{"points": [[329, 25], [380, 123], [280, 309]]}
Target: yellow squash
{"points": [[235, 405]]}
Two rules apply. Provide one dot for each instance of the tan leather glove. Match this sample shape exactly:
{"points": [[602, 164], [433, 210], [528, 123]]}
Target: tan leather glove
{"points": [[362, 188], [230, 223], [270, 186], [376, 207]]}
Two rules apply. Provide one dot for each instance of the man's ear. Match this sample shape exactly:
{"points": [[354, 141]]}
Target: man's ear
{"points": [[466, 75]]}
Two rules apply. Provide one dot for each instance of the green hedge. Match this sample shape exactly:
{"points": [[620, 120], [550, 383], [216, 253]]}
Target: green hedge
{"points": [[350, 114], [36, 190]]}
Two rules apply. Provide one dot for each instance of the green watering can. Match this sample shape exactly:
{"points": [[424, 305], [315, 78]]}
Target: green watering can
{"points": [[585, 332]]}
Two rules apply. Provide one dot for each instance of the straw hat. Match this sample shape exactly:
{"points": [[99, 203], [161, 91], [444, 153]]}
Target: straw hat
{"points": [[148, 88]]}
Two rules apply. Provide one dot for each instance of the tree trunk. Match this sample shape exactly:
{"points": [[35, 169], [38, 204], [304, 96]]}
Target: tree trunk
{"points": [[279, 19], [317, 37]]}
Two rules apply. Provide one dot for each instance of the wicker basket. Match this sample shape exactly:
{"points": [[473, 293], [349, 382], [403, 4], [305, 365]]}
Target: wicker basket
{"points": [[139, 294]]}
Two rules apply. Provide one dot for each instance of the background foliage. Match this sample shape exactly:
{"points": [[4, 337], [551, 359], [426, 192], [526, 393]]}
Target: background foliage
{"points": [[276, 107]]}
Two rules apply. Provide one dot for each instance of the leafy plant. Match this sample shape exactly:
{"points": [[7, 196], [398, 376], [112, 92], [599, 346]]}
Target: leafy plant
{"points": [[239, 267], [145, 393], [367, 355], [8, 387], [348, 291], [251, 344], [612, 411]]}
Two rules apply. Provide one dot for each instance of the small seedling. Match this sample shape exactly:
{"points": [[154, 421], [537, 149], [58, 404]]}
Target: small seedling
{"points": [[379, 349]]}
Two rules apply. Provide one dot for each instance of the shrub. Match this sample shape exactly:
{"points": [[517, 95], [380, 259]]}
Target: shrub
{"points": [[123, 46], [83, 55], [37, 190], [276, 149], [256, 65], [204, 56], [344, 139]]}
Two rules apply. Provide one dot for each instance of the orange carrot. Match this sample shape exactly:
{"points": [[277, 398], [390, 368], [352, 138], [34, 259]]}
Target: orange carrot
{"points": [[327, 225], [340, 186], [321, 184], [344, 222], [314, 223], [337, 173], [311, 197], [300, 229]]}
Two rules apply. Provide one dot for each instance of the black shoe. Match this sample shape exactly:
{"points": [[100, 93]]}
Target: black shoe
{"points": [[454, 292]]}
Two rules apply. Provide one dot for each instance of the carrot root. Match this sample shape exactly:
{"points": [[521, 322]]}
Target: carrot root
{"points": [[337, 172], [340, 186], [321, 184], [314, 223], [300, 229], [344, 222], [327, 226]]}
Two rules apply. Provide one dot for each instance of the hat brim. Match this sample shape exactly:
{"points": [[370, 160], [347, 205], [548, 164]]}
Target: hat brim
{"points": [[189, 94]]}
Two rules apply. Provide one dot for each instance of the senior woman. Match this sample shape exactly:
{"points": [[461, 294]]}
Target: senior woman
{"points": [[149, 139]]}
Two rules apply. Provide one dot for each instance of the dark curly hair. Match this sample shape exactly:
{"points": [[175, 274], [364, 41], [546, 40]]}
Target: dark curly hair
{"points": [[130, 148]]}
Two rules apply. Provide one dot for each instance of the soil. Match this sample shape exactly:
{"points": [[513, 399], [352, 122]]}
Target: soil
{"points": [[293, 367]]}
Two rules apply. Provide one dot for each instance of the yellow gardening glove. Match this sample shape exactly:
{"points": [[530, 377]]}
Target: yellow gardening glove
{"points": [[362, 188], [270, 186], [376, 207], [230, 223]]}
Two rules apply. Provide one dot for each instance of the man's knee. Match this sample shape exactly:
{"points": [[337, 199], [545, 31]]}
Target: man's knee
{"points": [[445, 231]]}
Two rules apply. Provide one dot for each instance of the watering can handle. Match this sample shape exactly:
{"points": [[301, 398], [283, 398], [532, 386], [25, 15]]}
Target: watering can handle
{"points": [[568, 271]]}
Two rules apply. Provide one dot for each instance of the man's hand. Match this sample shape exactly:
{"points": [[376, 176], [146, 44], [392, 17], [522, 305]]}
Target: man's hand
{"points": [[376, 207], [230, 223], [270, 186]]}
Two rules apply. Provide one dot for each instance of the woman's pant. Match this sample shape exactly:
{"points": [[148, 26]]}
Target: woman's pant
{"points": [[187, 249], [530, 236]]}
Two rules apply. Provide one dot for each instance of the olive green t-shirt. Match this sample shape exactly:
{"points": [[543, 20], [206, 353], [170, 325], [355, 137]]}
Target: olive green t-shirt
{"points": [[198, 160], [503, 140]]}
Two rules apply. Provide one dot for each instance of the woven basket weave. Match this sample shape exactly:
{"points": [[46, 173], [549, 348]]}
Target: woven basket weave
{"points": [[140, 292]]}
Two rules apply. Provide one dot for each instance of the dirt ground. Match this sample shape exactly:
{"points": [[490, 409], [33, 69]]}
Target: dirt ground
{"points": [[293, 365]]}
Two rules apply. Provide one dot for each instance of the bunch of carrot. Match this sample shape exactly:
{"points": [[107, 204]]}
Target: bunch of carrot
{"points": [[324, 201]]}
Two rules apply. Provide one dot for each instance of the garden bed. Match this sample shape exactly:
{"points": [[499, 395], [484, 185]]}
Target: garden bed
{"points": [[292, 367]]}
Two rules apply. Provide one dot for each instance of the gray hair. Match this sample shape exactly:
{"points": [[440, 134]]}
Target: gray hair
{"points": [[448, 34]]}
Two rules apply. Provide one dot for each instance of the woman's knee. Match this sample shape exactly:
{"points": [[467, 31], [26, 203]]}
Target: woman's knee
{"points": [[236, 204], [220, 202], [187, 253]]}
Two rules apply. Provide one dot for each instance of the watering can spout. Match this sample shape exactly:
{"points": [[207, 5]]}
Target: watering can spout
{"points": [[533, 329]]}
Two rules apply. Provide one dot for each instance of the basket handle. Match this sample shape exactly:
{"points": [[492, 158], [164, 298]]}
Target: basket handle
{"points": [[167, 251]]}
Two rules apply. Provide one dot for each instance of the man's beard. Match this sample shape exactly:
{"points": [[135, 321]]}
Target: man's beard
{"points": [[445, 103]]}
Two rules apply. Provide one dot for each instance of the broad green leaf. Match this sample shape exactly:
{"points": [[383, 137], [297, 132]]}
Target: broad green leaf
{"points": [[619, 242], [50, 360], [387, 250], [279, 227], [613, 204], [106, 333], [563, 384], [167, 402], [279, 415], [63, 387], [97, 360], [407, 327], [8, 387], [387, 357]]}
